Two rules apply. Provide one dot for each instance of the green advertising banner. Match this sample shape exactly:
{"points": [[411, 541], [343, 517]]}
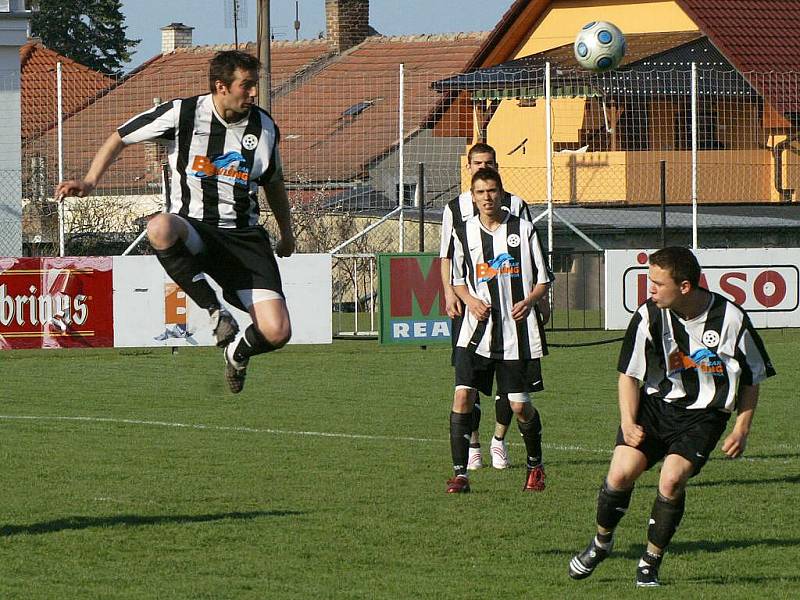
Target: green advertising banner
{"points": [[412, 300]]}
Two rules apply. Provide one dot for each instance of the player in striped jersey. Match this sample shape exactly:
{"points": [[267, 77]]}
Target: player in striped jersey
{"points": [[455, 214], [499, 273], [688, 359], [221, 147]]}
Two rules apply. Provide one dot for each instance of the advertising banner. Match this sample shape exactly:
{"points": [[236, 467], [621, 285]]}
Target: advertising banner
{"points": [[412, 300], [151, 310], [56, 303], [763, 281], [129, 301]]}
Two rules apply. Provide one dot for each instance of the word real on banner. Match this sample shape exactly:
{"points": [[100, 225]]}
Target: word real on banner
{"points": [[56, 303], [763, 281], [412, 300]]}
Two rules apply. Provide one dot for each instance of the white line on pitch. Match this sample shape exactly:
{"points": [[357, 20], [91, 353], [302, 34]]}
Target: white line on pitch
{"points": [[349, 436], [240, 429]]}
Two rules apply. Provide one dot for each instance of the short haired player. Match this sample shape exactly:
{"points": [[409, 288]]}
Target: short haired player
{"points": [[689, 358], [455, 214], [499, 273], [221, 148]]}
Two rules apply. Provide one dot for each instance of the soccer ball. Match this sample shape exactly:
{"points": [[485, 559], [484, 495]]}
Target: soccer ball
{"points": [[599, 46]]}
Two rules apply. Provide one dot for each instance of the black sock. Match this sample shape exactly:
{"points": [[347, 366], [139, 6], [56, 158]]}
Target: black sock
{"points": [[605, 538], [459, 440], [476, 414], [532, 436], [665, 517], [502, 410], [611, 506], [251, 344], [183, 267]]}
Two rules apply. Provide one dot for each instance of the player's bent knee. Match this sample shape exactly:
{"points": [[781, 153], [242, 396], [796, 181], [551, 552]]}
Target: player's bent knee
{"points": [[162, 231], [277, 335], [622, 479], [463, 399]]}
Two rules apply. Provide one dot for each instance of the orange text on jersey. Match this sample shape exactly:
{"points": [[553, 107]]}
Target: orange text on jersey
{"points": [[204, 165], [485, 270]]}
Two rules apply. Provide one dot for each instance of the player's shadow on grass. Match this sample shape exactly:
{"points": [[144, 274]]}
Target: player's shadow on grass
{"points": [[730, 482], [77, 523], [634, 551]]}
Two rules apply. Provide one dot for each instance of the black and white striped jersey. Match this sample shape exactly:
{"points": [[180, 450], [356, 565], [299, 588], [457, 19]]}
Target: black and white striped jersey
{"points": [[697, 363], [500, 267], [461, 208], [216, 166]]}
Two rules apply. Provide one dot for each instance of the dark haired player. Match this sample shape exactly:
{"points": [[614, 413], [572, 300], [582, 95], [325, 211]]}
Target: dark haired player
{"points": [[221, 147], [499, 273], [689, 358], [455, 214]]}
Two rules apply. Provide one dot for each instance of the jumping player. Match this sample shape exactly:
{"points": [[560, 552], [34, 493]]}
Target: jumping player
{"points": [[499, 273], [221, 148], [688, 359]]}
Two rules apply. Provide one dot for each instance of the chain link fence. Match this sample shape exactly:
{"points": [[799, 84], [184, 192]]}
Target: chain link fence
{"points": [[358, 146]]}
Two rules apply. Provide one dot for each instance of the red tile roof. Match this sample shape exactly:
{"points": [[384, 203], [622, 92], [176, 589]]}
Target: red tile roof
{"points": [[38, 93], [320, 142], [758, 37]]}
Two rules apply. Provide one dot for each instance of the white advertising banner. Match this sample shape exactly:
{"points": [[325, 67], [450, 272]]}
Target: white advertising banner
{"points": [[763, 281], [150, 310]]}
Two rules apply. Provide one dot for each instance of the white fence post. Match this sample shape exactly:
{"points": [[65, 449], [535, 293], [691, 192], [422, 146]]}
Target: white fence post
{"points": [[549, 140], [694, 155], [60, 120], [401, 182]]}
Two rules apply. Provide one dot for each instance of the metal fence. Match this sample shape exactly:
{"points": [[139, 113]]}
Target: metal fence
{"points": [[585, 150]]}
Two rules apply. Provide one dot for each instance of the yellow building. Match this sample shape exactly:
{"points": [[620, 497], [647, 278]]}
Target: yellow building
{"points": [[611, 132]]}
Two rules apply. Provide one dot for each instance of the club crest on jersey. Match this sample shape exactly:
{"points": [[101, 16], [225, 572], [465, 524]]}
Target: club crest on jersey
{"points": [[513, 240], [710, 338], [229, 167], [249, 141], [502, 266]]}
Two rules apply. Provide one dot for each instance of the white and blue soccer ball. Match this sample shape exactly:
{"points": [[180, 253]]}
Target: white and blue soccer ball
{"points": [[599, 46]]}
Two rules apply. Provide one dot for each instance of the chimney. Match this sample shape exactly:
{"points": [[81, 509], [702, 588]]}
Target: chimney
{"points": [[347, 21], [175, 35]]}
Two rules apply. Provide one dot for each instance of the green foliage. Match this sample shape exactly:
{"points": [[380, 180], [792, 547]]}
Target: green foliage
{"points": [[90, 32], [133, 474]]}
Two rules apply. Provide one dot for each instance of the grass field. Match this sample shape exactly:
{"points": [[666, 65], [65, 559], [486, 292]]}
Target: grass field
{"points": [[133, 474]]}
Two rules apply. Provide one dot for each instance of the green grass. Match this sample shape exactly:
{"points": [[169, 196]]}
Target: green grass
{"points": [[138, 476]]}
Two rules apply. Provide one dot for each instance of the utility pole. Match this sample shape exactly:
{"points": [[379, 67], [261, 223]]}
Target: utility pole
{"points": [[263, 45]]}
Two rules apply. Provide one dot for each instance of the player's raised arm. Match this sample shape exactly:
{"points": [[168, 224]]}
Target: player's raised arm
{"points": [[106, 155]]}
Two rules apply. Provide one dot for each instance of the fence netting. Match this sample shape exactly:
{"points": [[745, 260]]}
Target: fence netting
{"points": [[720, 150]]}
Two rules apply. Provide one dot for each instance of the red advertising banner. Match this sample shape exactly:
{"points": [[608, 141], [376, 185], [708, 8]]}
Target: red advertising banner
{"points": [[56, 302]]}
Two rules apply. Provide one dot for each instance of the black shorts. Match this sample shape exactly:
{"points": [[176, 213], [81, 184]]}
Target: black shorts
{"points": [[670, 429], [238, 259], [513, 376]]}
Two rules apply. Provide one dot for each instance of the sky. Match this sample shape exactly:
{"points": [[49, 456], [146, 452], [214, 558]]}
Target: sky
{"points": [[144, 19]]}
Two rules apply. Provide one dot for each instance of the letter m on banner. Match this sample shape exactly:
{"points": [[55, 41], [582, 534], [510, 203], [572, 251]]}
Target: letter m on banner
{"points": [[412, 300]]}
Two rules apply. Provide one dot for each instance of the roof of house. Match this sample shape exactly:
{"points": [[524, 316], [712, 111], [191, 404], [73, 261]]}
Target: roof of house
{"points": [[336, 112], [655, 63], [355, 97], [753, 35], [38, 86]]}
